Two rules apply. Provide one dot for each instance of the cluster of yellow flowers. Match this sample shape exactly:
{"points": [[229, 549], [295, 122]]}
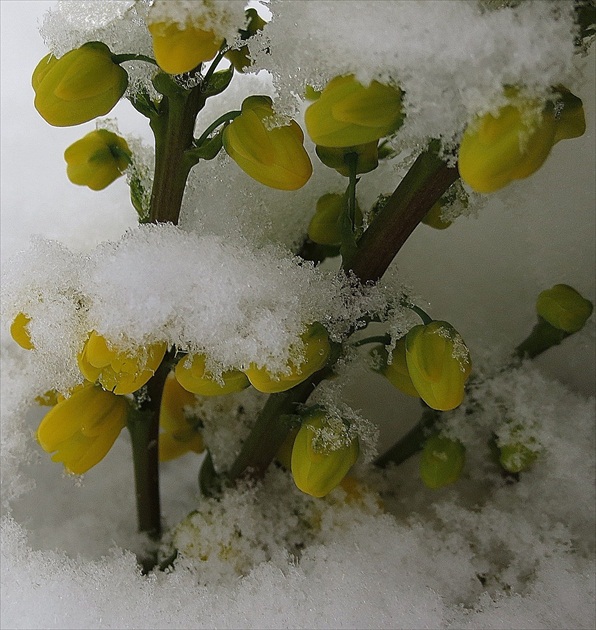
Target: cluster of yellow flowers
{"points": [[98, 409], [347, 121]]}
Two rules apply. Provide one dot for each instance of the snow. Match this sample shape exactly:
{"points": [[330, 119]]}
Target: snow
{"points": [[486, 552]]}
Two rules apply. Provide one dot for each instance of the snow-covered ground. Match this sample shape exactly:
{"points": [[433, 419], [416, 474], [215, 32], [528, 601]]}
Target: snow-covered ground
{"points": [[482, 553]]}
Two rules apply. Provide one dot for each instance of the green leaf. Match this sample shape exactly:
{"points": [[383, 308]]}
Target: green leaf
{"points": [[207, 150], [218, 82]]}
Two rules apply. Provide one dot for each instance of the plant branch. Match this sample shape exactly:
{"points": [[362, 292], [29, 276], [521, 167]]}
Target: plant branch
{"points": [[419, 190]]}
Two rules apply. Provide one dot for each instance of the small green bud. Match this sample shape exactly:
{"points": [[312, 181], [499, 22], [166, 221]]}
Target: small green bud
{"points": [[434, 219], [438, 363], [317, 469], [348, 114], [441, 462], [83, 84], [325, 226], [366, 156], [273, 156], [516, 457], [97, 159], [564, 308]]}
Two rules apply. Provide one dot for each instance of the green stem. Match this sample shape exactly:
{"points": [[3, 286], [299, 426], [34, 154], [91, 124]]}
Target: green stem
{"points": [[173, 128], [384, 339], [410, 443], [215, 124], [542, 337], [273, 425], [419, 190], [118, 59], [143, 425]]}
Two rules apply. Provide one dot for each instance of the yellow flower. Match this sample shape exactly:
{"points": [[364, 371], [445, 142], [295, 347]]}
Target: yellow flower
{"points": [[117, 371], [179, 435], [563, 308], [348, 114], [318, 470], [395, 372], [191, 374], [81, 85], [97, 159], [273, 156], [180, 49], [325, 226], [442, 461], [316, 353], [513, 144], [19, 331], [81, 429], [438, 363]]}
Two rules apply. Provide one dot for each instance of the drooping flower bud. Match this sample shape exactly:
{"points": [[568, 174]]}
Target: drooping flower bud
{"points": [[179, 434], [325, 226], [97, 159], [19, 331], [317, 466], [316, 353], [441, 462], [514, 143], [81, 429], [349, 114], [395, 372], [83, 84], [438, 363], [564, 308], [240, 57], [179, 48], [120, 372], [273, 156], [366, 157], [191, 374]]}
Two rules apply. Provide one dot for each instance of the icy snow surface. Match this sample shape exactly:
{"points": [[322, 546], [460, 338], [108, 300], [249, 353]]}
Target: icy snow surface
{"points": [[486, 553]]}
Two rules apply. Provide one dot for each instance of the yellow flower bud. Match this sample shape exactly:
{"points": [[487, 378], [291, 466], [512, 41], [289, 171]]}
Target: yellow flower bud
{"points": [[179, 434], [191, 374], [441, 462], [19, 331], [366, 156], [514, 143], [180, 49], [97, 159], [348, 114], [438, 363], [83, 84], [564, 308], [325, 226], [118, 372], [395, 372], [81, 429], [317, 469], [316, 352], [275, 157]]}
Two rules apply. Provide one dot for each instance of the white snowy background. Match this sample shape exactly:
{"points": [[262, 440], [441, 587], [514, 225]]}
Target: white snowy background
{"points": [[479, 554]]}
